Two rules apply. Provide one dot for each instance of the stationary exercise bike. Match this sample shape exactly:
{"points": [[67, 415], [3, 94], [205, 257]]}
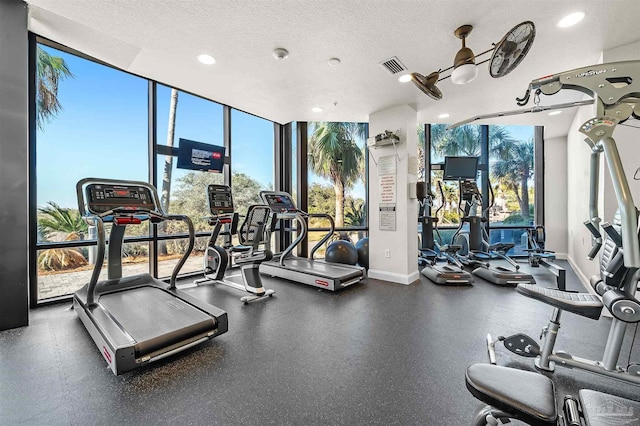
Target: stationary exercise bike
{"points": [[248, 255]]}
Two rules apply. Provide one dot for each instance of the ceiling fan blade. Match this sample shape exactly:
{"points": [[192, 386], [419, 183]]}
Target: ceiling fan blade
{"points": [[427, 84], [515, 44]]}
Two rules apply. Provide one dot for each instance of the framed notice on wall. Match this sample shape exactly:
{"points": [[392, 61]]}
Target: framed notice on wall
{"points": [[387, 216]]}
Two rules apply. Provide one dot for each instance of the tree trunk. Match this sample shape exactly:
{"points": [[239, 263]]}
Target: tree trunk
{"points": [[165, 196], [524, 203], [339, 217]]}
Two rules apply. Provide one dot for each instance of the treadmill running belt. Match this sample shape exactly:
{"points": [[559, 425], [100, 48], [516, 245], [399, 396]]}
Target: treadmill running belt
{"points": [[321, 269], [154, 318]]}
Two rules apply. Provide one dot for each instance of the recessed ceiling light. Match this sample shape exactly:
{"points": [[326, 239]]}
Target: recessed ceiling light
{"points": [[445, 115], [404, 78], [334, 62], [555, 112], [317, 109], [206, 59], [571, 19]]}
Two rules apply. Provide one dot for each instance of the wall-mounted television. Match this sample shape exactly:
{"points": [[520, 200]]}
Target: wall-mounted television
{"points": [[194, 155], [460, 168]]}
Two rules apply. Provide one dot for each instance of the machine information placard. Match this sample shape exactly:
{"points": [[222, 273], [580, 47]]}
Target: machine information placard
{"points": [[388, 217]]}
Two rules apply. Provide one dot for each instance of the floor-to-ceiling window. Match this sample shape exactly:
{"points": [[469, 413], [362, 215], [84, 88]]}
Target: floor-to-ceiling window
{"points": [[509, 175], [336, 173], [252, 158], [91, 122], [181, 115], [94, 121]]}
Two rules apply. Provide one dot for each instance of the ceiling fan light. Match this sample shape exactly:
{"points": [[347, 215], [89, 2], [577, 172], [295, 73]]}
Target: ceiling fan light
{"points": [[464, 74]]}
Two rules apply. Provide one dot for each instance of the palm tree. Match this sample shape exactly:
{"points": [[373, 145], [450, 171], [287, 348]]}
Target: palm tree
{"points": [[50, 70], [421, 146], [335, 155], [165, 195], [60, 224], [463, 140], [356, 214], [514, 168]]}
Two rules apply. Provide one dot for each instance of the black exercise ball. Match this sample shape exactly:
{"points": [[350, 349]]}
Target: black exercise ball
{"points": [[362, 246], [341, 252]]}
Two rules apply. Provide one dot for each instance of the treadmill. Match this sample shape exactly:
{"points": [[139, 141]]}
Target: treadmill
{"points": [[317, 273], [138, 319]]}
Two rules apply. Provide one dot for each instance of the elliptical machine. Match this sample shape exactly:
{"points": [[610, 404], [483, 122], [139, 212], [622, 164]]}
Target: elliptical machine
{"points": [[247, 255], [430, 251], [475, 251]]}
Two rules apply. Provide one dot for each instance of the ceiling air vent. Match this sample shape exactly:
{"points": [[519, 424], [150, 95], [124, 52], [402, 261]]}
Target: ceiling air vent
{"points": [[393, 65]]}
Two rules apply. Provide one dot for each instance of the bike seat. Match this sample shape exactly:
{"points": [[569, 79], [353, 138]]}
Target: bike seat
{"points": [[524, 395]]}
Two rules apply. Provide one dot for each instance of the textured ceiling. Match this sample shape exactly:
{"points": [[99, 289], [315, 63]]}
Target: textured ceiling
{"points": [[160, 39]]}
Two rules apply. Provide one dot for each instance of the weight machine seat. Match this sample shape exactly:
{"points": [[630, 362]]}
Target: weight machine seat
{"points": [[523, 395], [239, 249], [601, 409], [585, 304]]}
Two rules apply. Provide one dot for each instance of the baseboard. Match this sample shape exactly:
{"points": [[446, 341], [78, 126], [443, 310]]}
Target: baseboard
{"points": [[393, 277]]}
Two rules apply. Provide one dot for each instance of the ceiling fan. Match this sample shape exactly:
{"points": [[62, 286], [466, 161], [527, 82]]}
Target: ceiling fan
{"points": [[507, 55]]}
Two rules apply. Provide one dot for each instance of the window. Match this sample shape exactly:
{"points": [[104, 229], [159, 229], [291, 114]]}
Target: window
{"points": [[252, 158], [336, 162], [511, 170], [511, 174], [181, 115], [93, 124]]}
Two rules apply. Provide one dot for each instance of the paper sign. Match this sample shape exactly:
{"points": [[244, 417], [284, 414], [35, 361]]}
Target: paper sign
{"points": [[387, 165], [388, 217], [387, 188]]}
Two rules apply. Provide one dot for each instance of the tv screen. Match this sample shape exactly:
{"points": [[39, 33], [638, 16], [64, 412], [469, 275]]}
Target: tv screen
{"points": [[460, 168], [194, 155]]}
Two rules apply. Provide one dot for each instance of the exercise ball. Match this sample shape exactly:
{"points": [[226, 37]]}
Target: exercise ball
{"points": [[341, 252], [362, 247]]}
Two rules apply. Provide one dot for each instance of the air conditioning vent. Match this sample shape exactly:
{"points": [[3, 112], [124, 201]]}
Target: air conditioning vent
{"points": [[393, 65]]}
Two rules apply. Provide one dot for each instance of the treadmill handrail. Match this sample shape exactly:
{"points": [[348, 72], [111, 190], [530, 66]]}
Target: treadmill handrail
{"points": [[304, 229], [332, 229], [97, 268], [187, 253]]}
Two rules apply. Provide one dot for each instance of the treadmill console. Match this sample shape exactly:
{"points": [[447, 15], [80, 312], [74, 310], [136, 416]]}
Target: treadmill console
{"points": [[279, 202], [102, 198], [220, 200]]}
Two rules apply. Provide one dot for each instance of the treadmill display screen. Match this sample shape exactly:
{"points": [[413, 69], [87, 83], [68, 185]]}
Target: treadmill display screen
{"points": [[280, 202], [220, 200], [102, 198]]}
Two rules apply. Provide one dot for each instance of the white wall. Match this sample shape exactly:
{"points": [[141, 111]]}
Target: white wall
{"points": [[555, 195], [402, 265]]}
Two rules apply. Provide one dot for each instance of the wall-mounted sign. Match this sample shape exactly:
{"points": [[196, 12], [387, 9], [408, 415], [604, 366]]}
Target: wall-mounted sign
{"points": [[387, 216]]}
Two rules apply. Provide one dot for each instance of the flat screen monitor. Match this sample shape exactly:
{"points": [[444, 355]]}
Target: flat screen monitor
{"points": [[194, 155], [460, 168]]}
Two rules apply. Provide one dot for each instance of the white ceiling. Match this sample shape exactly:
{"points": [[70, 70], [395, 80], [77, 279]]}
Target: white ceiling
{"points": [[160, 39]]}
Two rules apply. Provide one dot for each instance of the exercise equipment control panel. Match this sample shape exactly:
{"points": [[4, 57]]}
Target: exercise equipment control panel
{"points": [[103, 198], [220, 199]]}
